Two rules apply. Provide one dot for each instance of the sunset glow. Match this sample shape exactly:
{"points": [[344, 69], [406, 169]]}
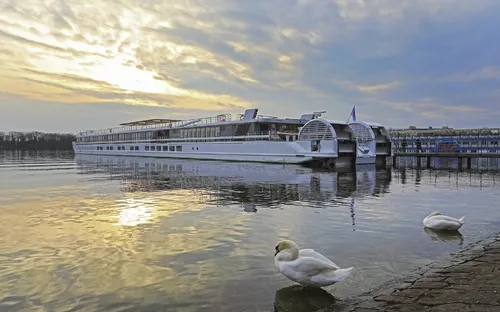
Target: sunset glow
{"points": [[123, 60]]}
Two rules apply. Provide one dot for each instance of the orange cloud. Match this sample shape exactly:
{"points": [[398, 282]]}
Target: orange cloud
{"points": [[70, 54]]}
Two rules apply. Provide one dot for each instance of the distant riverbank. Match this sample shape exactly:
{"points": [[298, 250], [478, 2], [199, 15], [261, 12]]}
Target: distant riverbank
{"points": [[36, 141]]}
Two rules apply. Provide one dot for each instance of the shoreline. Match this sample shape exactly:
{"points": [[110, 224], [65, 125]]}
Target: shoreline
{"points": [[465, 280]]}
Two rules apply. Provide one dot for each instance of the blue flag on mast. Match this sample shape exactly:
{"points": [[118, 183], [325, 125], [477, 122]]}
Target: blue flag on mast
{"points": [[353, 113]]}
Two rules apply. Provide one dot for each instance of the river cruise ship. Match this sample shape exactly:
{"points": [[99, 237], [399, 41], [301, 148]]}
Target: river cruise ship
{"points": [[309, 139]]}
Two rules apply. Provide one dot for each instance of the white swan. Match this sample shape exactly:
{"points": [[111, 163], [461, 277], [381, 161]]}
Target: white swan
{"points": [[307, 267], [436, 221]]}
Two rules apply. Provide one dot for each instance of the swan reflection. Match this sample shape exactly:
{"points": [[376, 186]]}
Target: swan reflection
{"points": [[295, 299], [249, 208], [444, 236]]}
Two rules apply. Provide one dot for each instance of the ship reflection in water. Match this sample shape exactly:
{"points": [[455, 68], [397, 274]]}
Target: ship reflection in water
{"points": [[246, 184]]}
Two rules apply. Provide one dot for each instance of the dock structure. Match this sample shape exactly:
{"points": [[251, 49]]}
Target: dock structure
{"points": [[443, 132], [429, 155], [446, 143]]}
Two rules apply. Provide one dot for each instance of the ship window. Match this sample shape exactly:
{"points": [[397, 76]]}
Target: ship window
{"points": [[131, 148], [264, 127], [146, 148], [171, 148], [165, 148], [137, 148], [158, 148], [178, 148], [111, 147], [119, 147]]}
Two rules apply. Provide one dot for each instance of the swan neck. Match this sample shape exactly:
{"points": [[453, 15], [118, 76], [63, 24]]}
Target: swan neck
{"points": [[288, 254], [434, 214], [293, 250]]}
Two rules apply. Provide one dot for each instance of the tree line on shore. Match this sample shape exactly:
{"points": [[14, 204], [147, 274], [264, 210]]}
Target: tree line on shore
{"points": [[36, 141]]}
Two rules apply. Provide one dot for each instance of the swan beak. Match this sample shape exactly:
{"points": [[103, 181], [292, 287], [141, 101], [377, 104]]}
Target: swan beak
{"points": [[277, 250]]}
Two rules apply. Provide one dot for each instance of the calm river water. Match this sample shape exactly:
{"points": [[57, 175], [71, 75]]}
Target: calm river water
{"points": [[89, 233]]}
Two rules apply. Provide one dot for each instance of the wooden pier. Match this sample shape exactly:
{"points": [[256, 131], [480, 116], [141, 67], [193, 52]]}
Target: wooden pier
{"points": [[429, 155]]}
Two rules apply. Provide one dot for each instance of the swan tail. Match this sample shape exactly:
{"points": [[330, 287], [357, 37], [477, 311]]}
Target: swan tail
{"points": [[462, 220], [342, 274]]}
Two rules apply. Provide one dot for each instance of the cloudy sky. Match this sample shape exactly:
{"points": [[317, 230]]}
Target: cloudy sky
{"points": [[71, 65]]}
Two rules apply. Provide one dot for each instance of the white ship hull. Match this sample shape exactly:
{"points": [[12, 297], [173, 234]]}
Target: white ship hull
{"points": [[252, 151]]}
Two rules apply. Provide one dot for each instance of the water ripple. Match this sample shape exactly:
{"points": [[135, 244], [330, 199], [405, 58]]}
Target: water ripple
{"points": [[132, 234]]}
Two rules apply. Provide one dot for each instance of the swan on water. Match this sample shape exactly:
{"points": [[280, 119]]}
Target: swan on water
{"points": [[306, 266], [436, 221]]}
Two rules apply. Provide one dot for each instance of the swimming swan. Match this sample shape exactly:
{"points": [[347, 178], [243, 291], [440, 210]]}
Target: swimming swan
{"points": [[306, 266], [436, 221]]}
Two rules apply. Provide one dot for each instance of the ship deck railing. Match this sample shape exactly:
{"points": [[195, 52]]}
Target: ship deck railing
{"points": [[219, 119], [467, 150], [472, 133], [447, 138]]}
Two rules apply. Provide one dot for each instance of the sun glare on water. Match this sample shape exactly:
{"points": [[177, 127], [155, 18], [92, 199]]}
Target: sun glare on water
{"points": [[134, 212]]}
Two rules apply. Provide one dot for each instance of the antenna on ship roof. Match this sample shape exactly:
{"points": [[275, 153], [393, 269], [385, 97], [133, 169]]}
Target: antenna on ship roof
{"points": [[318, 114]]}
